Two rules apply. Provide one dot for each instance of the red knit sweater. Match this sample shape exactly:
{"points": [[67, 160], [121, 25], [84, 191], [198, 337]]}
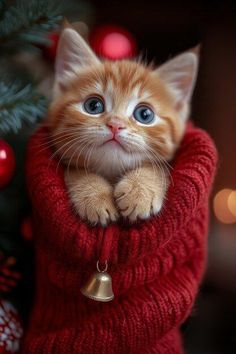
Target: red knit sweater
{"points": [[156, 265]]}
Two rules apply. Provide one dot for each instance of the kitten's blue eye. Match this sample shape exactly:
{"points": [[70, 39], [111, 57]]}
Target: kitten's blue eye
{"points": [[144, 114], [94, 105]]}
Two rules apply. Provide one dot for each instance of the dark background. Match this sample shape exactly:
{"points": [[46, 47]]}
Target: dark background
{"points": [[163, 29]]}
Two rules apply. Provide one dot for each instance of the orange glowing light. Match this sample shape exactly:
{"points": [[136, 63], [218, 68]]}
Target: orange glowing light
{"points": [[232, 203], [222, 209]]}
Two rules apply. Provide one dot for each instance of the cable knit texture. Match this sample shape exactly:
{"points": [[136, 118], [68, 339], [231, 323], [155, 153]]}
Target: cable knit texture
{"points": [[156, 265]]}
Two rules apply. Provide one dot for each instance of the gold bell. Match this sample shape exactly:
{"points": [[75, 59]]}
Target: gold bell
{"points": [[99, 286]]}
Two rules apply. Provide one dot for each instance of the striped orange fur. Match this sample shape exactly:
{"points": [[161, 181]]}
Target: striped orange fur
{"points": [[116, 165]]}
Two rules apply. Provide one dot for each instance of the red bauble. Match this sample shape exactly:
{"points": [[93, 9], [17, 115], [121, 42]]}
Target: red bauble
{"points": [[50, 51], [9, 277], [7, 163], [26, 228], [113, 42]]}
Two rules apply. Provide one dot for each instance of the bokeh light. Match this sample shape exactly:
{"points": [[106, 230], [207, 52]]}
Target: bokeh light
{"points": [[224, 206], [232, 203], [113, 42], [116, 45]]}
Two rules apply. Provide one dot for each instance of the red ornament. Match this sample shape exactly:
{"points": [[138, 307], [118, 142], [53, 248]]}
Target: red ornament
{"points": [[7, 163], [113, 42], [8, 276], [50, 50], [26, 229]]}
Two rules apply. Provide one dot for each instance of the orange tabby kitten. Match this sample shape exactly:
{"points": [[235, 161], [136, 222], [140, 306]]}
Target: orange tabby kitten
{"points": [[115, 124]]}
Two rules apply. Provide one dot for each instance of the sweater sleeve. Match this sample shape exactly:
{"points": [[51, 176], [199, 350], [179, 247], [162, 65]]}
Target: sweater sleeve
{"points": [[192, 176]]}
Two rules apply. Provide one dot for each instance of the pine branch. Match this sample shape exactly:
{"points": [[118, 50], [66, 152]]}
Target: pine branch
{"points": [[27, 22], [24, 25], [19, 104]]}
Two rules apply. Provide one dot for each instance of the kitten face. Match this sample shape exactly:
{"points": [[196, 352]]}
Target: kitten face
{"points": [[113, 116]]}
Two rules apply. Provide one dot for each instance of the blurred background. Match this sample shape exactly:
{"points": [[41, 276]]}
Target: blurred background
{"points": [[157, 30]]}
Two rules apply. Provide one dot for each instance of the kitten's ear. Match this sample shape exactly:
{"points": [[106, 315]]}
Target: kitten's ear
{"points": [[72, 54], [180, 74]]}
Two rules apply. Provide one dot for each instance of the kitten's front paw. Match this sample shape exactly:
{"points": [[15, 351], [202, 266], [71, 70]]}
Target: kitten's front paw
{"points": [[92, 197], [136, 199]]}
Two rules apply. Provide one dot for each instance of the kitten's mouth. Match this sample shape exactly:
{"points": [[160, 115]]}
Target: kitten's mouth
{"points": [[114, 142]]}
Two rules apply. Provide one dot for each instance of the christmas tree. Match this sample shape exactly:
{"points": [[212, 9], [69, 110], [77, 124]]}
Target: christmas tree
{"points": [[28, 35]]}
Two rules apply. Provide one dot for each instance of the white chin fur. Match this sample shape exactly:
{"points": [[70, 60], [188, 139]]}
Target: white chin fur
{"points": [[111, 160]]}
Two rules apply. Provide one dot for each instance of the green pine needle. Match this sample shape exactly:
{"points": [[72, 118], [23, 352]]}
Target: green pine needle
{"points": [[19, 105], [28, 22], [25, 25]]}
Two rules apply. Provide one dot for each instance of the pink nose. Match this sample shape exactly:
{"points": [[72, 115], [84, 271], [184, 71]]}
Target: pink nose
{"points": [[116, 126]]}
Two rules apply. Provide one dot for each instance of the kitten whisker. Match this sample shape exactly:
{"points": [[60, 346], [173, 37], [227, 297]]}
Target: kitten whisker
{"points": [[87, 157], [66, 151], [52, 142], [73, 142], [162, 165], [163, 162]]}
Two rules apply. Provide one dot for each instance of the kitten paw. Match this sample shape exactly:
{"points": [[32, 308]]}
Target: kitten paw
{"points": [[100, 211], [137, 200], [92, 198]]}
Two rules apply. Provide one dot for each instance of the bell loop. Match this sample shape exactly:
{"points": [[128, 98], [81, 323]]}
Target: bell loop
{"points": [[99, 269]]}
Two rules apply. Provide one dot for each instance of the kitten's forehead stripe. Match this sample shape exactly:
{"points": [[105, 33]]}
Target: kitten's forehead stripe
{"points": [[109, 86], [146, 95], [122, 88], [98, 87], [108, 102]]}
